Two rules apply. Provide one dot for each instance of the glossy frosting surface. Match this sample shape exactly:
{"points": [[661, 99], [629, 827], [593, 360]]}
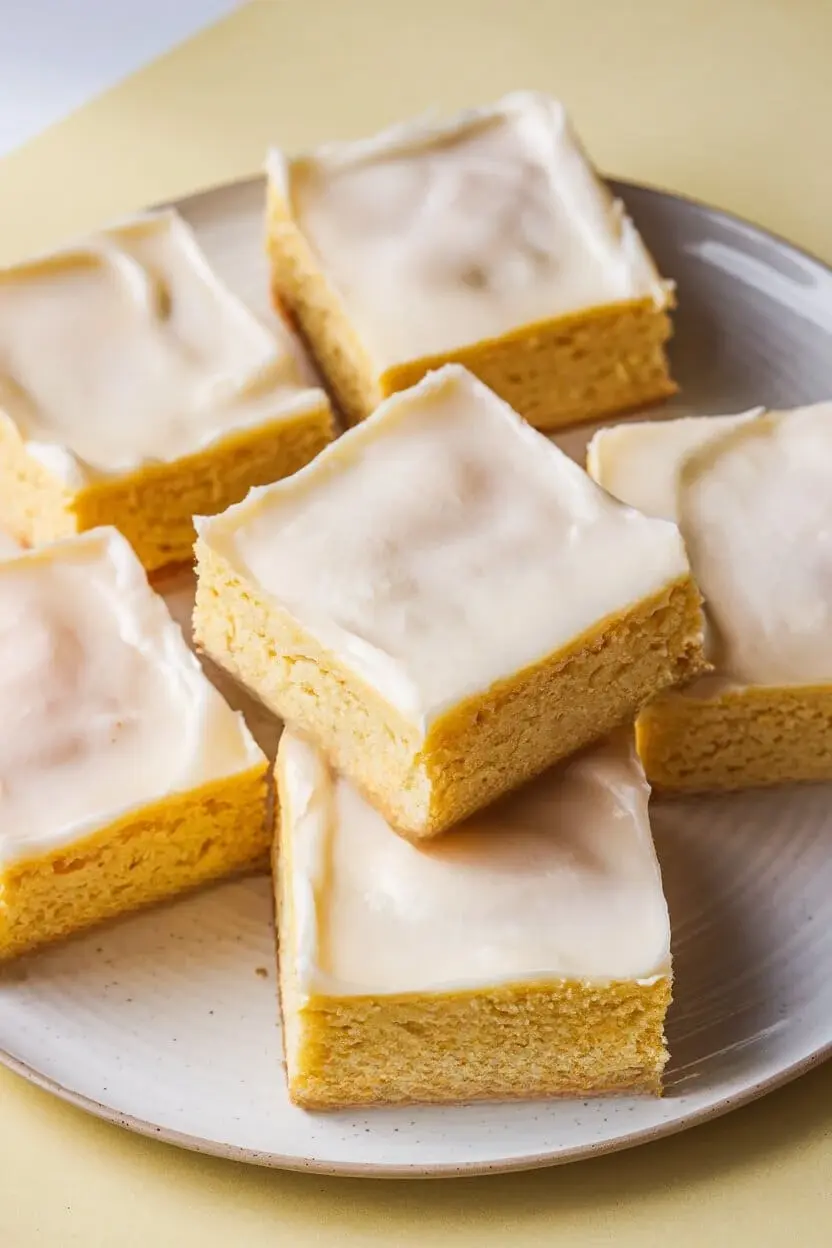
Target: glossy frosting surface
{"points": [[558, 881], [470, 227], [103, 708], [752, 496], [450, 544], [125, 349]]}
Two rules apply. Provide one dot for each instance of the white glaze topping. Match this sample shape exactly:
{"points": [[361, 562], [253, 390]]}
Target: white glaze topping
{"points": [[440, 234], [103, 708], [558, 881], [126, 349], [443, 544], [752, 496]]}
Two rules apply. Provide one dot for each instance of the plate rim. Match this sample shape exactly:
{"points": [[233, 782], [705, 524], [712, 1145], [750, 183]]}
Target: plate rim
{"points": [[691, 201], [612, 180], [422, 1170], [436, 1170]]}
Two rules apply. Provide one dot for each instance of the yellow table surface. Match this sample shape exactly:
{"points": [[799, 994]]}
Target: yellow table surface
{"points": [[727, 100]]}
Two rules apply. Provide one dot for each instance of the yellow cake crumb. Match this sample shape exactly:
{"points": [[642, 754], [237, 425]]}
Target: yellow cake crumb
{"points": [[125, 778], [139, 392], [500, 249], [561, 877], [445, 603], [750, 493]]}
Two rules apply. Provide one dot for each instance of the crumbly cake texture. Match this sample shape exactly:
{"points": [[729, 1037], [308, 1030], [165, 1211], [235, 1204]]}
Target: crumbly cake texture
{"points": [[500, 249], [750, 493], [526, 954], [138, 391], [445, 603], [737, 738], [98, 676], [161, 851]]}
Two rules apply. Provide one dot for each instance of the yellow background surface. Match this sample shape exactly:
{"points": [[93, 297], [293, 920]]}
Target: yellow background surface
{"points": [[727, 100]]}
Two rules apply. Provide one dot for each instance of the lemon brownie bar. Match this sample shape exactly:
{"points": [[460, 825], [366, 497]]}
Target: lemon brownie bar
{"points": [[136, 390], [487, 239], [445, 602], [525, 954], [124, 776], [752, 496]]}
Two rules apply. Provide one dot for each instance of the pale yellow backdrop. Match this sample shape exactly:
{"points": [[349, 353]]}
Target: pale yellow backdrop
{"points": [[728, 100]]}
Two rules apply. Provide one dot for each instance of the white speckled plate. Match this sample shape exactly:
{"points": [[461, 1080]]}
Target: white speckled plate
{"points": [[167, 1023]]}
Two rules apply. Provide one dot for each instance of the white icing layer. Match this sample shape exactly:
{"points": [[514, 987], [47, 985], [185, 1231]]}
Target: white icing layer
{"points": [[443, 544], [559, 881], [126, 349], [103, 708], [752, 496], [441, 234]]}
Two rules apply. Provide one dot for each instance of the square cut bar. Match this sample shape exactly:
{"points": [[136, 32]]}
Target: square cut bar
{"points": [[124, 776], [136, 390], [488, 240], [525, 954], [445, 603], [751, 494]]}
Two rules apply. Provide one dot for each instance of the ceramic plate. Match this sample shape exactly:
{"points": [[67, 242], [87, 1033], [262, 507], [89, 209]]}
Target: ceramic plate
{"points": [[167, 1023]]}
